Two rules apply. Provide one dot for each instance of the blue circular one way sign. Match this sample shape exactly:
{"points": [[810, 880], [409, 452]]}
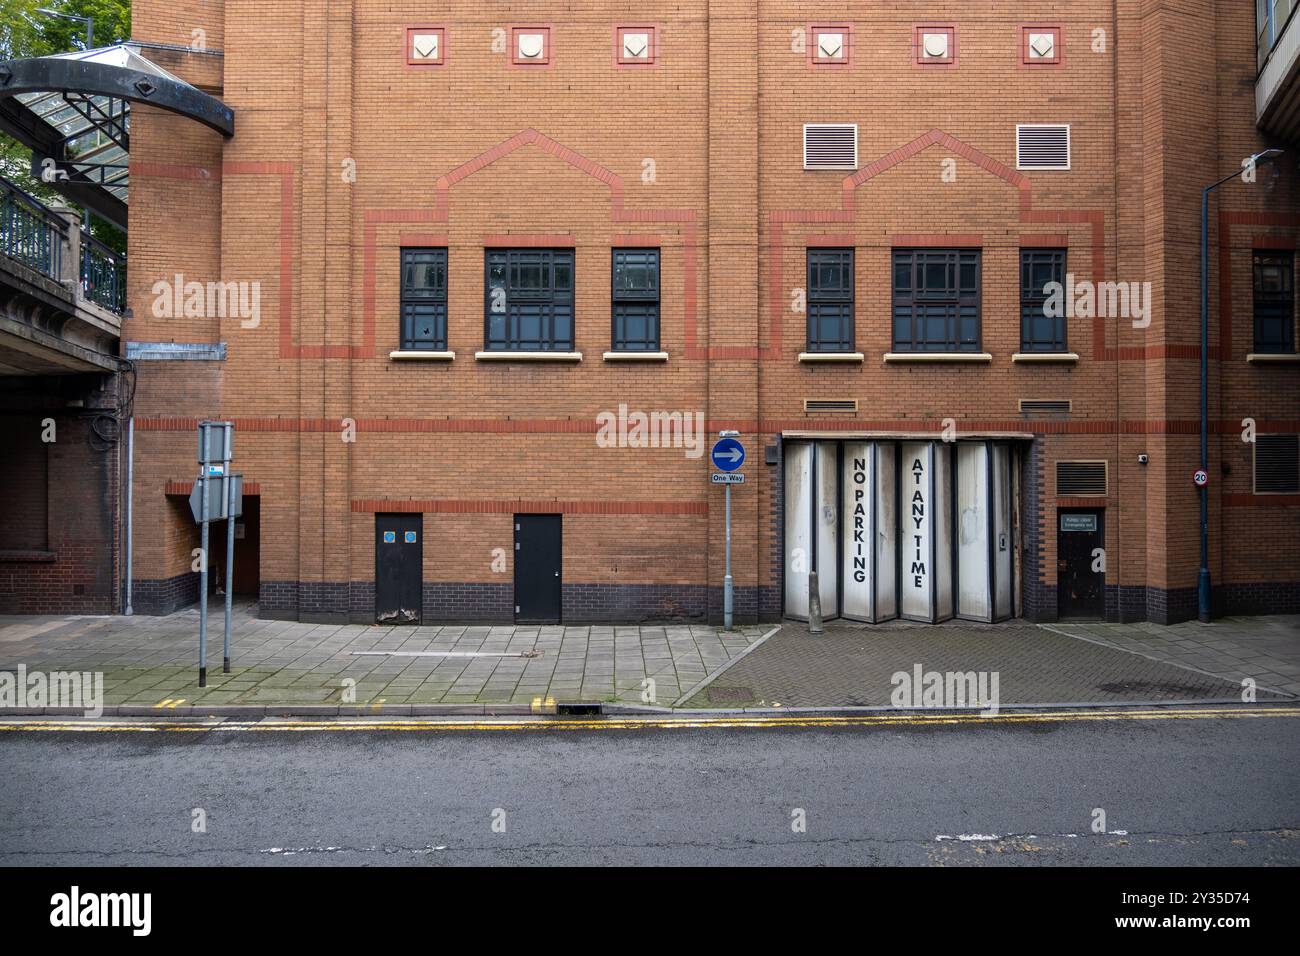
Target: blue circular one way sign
{"points": [[728, 454]]}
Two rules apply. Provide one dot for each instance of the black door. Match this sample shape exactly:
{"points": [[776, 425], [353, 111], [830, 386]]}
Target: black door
{"points": [[1080, 564], [537, 569], [399, 560]]}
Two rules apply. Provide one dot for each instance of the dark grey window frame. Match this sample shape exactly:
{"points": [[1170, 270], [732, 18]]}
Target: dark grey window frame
{"points": [[830, 303], [548, 303], [1277, 308], [950, 305], [1033, 300], [628, 304], [423, 307]]}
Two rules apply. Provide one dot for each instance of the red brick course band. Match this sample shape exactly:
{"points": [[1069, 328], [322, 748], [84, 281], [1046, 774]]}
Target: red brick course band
{"points": [[373, 218], [582, 426]]}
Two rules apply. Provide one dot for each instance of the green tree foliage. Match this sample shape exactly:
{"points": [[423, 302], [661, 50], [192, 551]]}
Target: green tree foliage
{"points": [[25, 32]]}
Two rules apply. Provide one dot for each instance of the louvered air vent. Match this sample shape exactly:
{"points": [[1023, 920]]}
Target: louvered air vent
{"points": [[830, 146], [1043, 146], [1045, 406], [1081, 479], [830, 404], [1277, 464]]}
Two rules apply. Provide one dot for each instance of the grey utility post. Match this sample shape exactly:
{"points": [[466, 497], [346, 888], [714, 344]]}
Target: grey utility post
{"points": [[230, 567], [728, 455], [213, 503]]}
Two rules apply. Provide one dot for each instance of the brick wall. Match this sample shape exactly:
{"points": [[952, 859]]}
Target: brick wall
{"points": [[686, 155], [58, 547]]}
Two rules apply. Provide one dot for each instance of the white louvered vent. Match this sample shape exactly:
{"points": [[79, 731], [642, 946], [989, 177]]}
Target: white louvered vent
{"points": [[830, 146], [1043, 146]]}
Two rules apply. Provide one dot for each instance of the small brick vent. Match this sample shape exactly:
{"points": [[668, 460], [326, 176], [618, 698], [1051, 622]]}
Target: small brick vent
{"points": [[1045, 406], [830, 404], [1277, 464], [1081, 479]]}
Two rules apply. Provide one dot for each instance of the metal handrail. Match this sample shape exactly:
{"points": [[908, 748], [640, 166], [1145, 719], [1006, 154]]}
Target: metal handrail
{"points": [[30, 232], [103, 274], [37, 236]]}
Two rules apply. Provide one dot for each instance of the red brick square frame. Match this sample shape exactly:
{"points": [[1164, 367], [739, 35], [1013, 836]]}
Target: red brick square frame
{"points": [[918, 61], [546, 60], [1057, 61], [622, 62], [817, 62], [414, 64]]}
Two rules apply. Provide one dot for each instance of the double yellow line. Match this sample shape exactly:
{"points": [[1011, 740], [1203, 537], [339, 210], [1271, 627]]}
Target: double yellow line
{"points": [[691, 722]]}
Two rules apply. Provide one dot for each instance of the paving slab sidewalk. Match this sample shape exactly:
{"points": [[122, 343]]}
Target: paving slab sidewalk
{"points": [[148, 660], [854, 665], [1265, 649]]}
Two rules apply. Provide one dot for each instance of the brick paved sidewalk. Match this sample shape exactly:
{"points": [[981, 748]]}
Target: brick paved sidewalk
{"points": [[146, 660], [852, 665]]}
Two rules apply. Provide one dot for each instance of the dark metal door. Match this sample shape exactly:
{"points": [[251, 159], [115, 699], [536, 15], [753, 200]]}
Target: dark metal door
{"points": [[1081, 564], [537, 568], [399, 575]]}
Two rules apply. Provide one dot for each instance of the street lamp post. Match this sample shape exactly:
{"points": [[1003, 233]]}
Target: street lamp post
{"points": [[1203, 579], [88, 21]]}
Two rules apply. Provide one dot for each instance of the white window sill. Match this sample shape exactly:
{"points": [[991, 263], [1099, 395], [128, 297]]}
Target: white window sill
{"points": [[1273, 358], [420, 355], [817, 358], [635, 356], [504, 356], [1062, 358], [952, 358]]}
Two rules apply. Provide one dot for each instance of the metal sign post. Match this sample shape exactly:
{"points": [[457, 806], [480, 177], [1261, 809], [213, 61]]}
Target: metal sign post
{"points": [[728, 455], [203, 583], [230, 569], [217, 495]]}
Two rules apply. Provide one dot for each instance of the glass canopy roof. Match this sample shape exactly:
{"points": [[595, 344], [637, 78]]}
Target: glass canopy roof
{"points": [[95, 127]]}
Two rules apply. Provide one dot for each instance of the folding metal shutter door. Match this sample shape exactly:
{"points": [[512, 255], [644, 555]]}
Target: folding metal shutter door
{"points": [[943, 476], [827, 524], [798, 527], [974, 597], [858, 531], [1002, 494]]}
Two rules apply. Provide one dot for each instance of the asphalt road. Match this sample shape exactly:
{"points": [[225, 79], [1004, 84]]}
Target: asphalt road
{"points": [[1202, 791]]}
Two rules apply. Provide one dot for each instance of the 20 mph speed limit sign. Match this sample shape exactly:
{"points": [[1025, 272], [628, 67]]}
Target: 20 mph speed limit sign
{"points": [[1199, 478]]}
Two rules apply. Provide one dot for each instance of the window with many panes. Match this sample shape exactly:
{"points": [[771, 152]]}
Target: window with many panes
{"points": [[1275, 302], [529, 301], [424, 300], [830, 300], [635, 308], [1042, 329], [936, 300]]}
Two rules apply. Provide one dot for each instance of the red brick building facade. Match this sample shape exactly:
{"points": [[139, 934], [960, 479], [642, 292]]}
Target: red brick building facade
{"points": [[559, 136]]}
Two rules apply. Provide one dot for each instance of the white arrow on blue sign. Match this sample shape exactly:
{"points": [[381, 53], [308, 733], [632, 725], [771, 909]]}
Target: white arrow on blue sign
{"points": [[728, 454]]}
